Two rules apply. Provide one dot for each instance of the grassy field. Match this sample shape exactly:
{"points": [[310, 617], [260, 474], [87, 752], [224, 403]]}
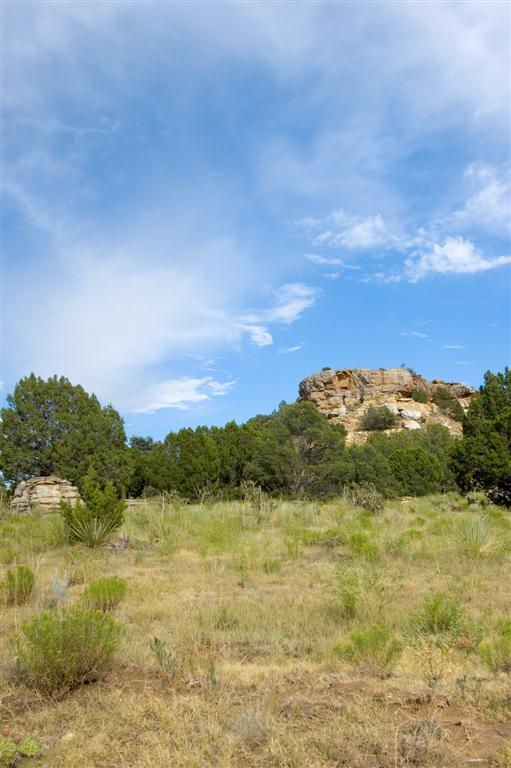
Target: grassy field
{"points": [[290, 635]]}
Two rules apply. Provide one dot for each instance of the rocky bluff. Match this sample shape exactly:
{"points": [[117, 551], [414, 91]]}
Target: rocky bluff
{"points": [[345, 395]]}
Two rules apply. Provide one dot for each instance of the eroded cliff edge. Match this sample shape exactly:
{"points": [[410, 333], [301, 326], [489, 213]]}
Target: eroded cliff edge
{"points": [[345, 395]]}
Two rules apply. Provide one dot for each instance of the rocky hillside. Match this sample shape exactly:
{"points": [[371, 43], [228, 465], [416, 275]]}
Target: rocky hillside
{"points": [[346, 394]]}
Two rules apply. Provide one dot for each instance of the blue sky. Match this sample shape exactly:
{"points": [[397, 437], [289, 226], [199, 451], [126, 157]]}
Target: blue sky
{"points": [[206, 202]]}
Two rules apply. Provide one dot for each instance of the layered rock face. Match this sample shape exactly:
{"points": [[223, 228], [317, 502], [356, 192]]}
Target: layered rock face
{"points": [[345, 395], [45, 493]]}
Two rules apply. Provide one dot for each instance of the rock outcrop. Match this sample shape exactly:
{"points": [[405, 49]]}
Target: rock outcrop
{"points": [[344, 395], [44, 493]]}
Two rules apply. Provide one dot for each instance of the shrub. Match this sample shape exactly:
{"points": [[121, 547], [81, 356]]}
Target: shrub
{"points": [[420, 396], [93, 522], [364, 495], [439, 615], [496, 653], [416, 471], [374, 649], [378, 419], [448, 404], [18, 585], [61, 651], [105, 594]]}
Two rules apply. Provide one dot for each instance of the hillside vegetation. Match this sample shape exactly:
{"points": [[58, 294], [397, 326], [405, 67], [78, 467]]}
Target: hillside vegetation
{"points": [[262, 632]]}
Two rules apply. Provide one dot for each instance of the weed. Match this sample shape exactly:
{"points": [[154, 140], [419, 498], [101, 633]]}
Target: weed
{"points": [[105, 594], [18, 585], [374, 649], [440, 615], [419, 743], [496, 653], [167, 660], [475, 537], [14, 747]]}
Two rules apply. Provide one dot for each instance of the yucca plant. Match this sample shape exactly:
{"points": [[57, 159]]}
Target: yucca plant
{"points": [[92, 523], [475, 537]]}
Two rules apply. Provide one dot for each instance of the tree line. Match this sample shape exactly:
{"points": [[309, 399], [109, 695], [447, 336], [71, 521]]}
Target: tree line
{"points": [[54, 427]]}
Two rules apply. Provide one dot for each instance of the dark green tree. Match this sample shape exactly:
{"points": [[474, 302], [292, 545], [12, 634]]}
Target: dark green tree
{"points": [[54, 427], [481, 460], [296, 450]]}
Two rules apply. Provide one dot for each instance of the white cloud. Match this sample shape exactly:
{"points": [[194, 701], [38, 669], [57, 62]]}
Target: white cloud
{"points": [[318, 258], [259, 335], [289, 302], [417, 334], [452, 346], [341, 230], [489, 205], [290, 350], [454, 256], [180, 394]]}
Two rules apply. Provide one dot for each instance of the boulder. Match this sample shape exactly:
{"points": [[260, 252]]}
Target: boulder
{"points": [[44, 493]]}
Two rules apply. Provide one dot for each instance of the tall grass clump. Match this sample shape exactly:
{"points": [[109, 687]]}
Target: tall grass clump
{"points": [[105, 594], [496, 653], [18, 585], [375, 650], [59, 651], [475, 537], [92, 523]]}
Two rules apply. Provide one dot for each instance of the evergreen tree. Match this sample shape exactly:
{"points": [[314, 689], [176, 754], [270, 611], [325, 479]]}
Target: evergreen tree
{"points": [[53, 427], [482, 459], [296, 450]]}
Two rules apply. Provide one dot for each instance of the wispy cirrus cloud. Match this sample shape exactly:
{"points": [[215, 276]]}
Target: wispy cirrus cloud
{"points": [[180, 394]]}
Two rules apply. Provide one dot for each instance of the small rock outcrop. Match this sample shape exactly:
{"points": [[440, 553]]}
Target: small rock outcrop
{"points": [[345, 395], [44, 493]]}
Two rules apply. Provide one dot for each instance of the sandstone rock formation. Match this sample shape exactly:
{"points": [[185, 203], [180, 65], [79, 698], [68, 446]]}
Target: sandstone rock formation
{"points": [[44, 493], [345, 395]]}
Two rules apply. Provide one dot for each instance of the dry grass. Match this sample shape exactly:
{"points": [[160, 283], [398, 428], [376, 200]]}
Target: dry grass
{"points": [[251, 608]]}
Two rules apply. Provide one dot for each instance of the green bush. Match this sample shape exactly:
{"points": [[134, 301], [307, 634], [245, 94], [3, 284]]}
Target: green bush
{"points": [[496, 653], [416, 471], [420, 396], [374, 649], [448, 404], [377, 419], [440, 615], [92, 523], [105, 594], [61, 651], [19, 584]]}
